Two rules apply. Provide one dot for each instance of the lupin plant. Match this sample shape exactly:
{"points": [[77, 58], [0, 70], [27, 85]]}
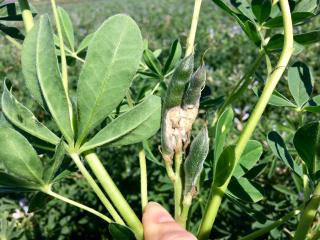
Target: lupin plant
{"points": [[92, 116]]}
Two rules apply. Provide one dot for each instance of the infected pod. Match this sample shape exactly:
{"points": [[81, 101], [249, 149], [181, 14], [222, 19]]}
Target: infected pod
{"points": [[192, 95], [194, 163], [171, 112]]}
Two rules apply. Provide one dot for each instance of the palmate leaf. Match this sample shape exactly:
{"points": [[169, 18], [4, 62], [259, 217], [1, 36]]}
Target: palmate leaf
{"points": [[24, 119], [113, 57], [18, 156], [136, 125]]}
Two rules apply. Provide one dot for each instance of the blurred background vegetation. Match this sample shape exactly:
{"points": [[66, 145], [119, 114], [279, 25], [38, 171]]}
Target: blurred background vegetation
{"points": [[228, 55]]}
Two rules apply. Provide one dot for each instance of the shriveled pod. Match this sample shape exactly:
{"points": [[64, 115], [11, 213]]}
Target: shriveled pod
{"points": [[194, 163], [171, 112]]}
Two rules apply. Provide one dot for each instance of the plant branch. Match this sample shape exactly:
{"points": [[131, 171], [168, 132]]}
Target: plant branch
{"points": [[26, 15], [115, 195], [79, 205], [143, 179], [97, 189], [308, 215], [187, 201], [193, 28], [13, 41], [268, 228], [177, 185], [218, 192]]}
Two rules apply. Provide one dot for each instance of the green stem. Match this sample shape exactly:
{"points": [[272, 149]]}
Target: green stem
{"points": [[115, 195], [217, 193], [143, 179], [182, 219], [177, 185], [97, 189], [14, 42], [193, 28], [268, 228], [26, 15], [64, 66], [79, 205], [308, 215]]}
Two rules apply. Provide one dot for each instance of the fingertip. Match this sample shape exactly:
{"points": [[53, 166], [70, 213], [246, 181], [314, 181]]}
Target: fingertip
{"points": [[155, 213]]}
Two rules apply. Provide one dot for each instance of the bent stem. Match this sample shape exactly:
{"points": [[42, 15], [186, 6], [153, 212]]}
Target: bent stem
{"points": [[115, 195], [218, 192], [193, 28], [268, 228], [143, 179], [308, 215], [79, 205], [97, 189], [26, 15]]}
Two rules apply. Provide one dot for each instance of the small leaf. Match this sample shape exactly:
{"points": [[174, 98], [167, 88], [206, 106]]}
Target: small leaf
{"points": [[136, 125], [113, 58], [249, 158], [24, 119], [53, 166], [307, 143], [223, 127], [301, 82], [9, 183], [280, 150], [50, 78], [152, 62], [308, 38], [118, 232], [85, 43], [246, 190], [297, 18], [306, 6], [174, 56], [66, 27], [277, 99], [261, 9], [225, 166], [18, 156], [193, 165]]}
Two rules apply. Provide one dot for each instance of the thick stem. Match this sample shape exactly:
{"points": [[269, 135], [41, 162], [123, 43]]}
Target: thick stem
{"points": [[187, 201], [308, 215], [268, 228], [26, 15], [143, 179], [193, 28], [177, 185], [97, 189], [217, 193], [79, 205], [115, 195]]}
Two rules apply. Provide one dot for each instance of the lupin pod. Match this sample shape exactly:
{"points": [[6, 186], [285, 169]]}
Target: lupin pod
{"points": [[193, 92], [177, 85], [194, 163]]}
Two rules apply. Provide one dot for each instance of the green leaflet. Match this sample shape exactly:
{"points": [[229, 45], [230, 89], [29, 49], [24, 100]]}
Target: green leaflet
{"points": [[18, 156], [249, 158], [24, 119], [50, 78], [29, 66], [136, 125], [9, 183], [84, 43], [118, 232], [113, 57], [174, 56], [225, 166], [301, 82], [55, 163], [246, 190], [66, 27], [261, 9]]}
